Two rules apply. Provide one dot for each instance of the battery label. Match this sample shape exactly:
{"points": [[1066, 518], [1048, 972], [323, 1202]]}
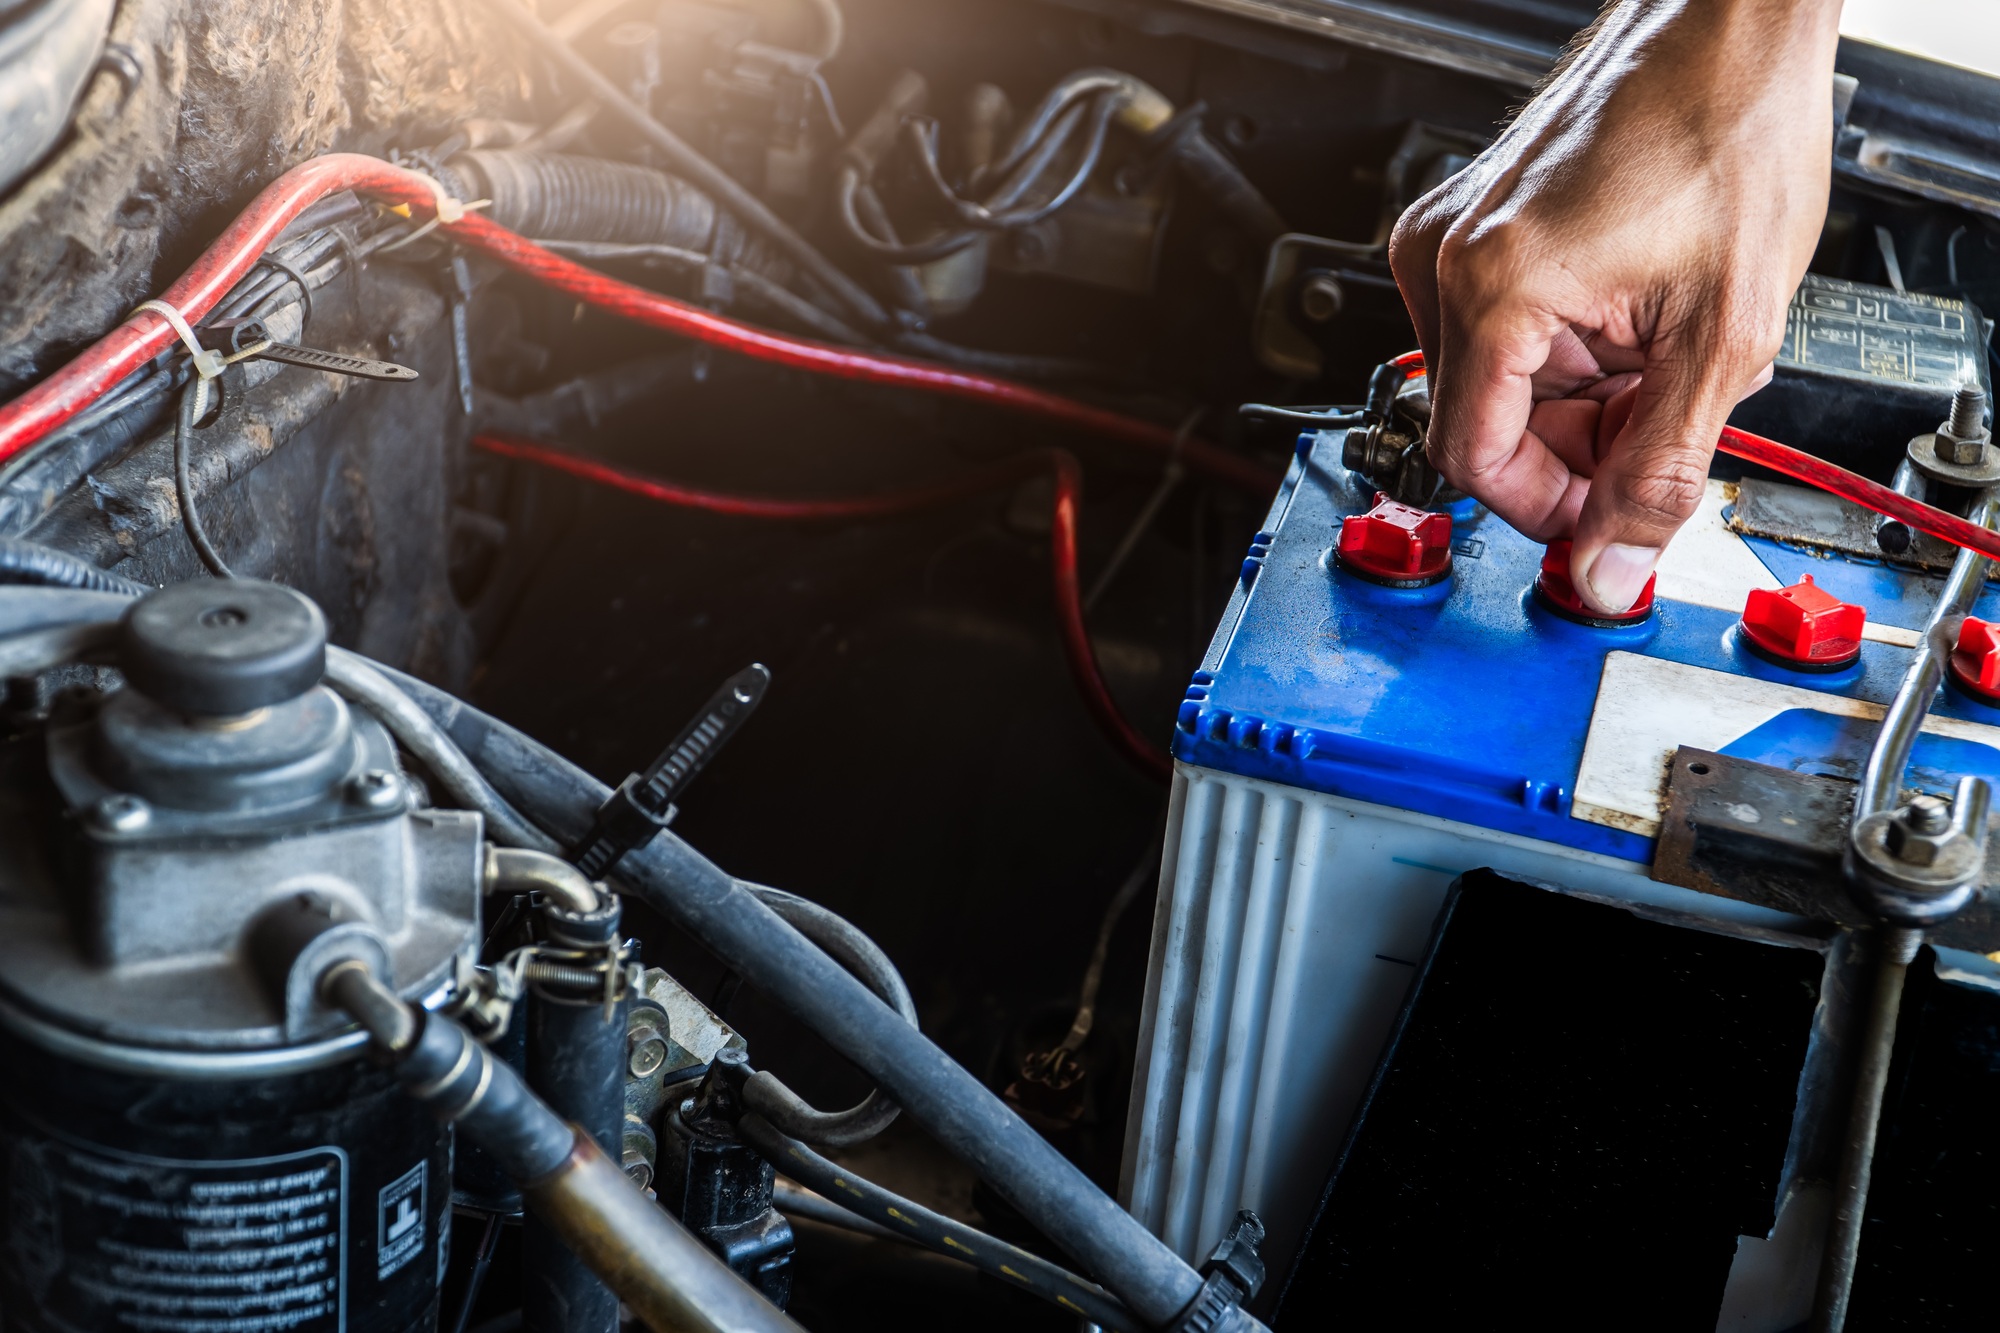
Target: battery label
{"points": [[1907, 338], [106, 1241]]}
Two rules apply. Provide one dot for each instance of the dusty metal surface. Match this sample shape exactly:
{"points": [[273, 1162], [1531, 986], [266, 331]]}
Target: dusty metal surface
{"points": [[1773, 837], [205, 104], [1805, 517], [338, 487]]}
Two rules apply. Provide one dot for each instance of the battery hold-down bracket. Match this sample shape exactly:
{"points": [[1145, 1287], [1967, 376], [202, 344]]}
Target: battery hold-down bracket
{"points": [[1775, 837]]}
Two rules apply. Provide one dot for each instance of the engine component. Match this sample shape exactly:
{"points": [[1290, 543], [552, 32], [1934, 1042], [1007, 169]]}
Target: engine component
{"points": [[721, 1188], [667, 1277], [575, 1062], [189, 1129], [726, 916], [554, 196]]}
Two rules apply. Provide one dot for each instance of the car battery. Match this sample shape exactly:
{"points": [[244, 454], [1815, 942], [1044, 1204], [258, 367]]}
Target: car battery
{"points": [[1395, 698]]}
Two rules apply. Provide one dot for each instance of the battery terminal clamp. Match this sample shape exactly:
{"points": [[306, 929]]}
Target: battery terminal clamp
{"points": [[644, 802], [1558, 594], [1803, 627], [1396, 545]]}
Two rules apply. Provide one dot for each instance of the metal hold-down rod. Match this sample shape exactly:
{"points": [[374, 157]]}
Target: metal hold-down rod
{"points": [[1882, 779], [1903, 909]]}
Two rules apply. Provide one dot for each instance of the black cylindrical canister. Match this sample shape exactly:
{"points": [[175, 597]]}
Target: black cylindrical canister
{"points": [[217, 1201]]}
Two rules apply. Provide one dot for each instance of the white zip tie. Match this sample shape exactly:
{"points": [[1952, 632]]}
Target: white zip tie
{"points": [[208, 362], [428, 227]]}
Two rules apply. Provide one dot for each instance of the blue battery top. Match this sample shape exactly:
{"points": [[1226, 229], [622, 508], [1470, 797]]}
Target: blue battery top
{"points": [[1472, 701]]}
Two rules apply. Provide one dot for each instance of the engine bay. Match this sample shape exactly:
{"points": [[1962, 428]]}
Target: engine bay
{"points": [[587, 579]]}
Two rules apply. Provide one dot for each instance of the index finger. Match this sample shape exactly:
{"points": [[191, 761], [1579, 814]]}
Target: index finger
{"points": [[1482, 393]]}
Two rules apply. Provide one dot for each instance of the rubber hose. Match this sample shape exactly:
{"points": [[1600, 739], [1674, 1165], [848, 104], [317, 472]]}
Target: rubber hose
{"points": [[33, 563], [853, 950], [959, 1111], [912, 1221], [565, 197]]}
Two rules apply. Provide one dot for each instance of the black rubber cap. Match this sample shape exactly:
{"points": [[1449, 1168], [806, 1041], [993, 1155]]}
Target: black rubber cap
{"points": [[222, 645]]}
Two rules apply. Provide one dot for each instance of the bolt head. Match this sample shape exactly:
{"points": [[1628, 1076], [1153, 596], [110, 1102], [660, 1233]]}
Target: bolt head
{"points": [[377, 788], [1321, 298], [121, 812], [647, 1052]]}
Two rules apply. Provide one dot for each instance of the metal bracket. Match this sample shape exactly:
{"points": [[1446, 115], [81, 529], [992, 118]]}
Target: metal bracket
{"points": [[1776, 838]]}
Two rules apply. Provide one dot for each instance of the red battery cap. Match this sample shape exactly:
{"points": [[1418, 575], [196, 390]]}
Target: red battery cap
{"points": [[1975, 663], [1396, 544], [1555, 591], [1803, 626]]}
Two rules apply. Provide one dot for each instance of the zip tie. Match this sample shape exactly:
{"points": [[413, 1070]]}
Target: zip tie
{"points": [[208, 362], [460, 209]]}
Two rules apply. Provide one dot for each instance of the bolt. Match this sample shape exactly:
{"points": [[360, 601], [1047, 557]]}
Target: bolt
{"points": [[1320, 298], [1968, 412], [1927, 814], [377, 788], [121, 813], [646, 1052], [1964, 438]]}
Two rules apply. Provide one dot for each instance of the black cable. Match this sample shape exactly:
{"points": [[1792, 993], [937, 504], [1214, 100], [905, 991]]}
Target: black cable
{"points": [[271, 260], [846, 209], [1311, 418], [994, 215], [25, 562], [934, 1231], [1054, 103], [183, 491]]}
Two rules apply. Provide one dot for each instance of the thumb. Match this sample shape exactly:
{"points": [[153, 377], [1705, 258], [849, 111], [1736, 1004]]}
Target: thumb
{"points": [[1651, 480]]}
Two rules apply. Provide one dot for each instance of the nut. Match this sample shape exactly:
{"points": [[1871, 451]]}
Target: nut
{"points": [[1919, 830], [1960, 450]]}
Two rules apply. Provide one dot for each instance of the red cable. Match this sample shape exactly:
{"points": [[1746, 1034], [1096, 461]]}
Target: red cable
{"points": [[1859, 490], [96, 369], [142, 336], [1068, 478], [1849, 486]]}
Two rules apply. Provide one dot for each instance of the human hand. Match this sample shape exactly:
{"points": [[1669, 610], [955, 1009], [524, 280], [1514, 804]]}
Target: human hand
{"points": [[1598, 290]]}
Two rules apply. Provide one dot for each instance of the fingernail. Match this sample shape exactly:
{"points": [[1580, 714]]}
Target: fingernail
{"points": [[1619, 575]]}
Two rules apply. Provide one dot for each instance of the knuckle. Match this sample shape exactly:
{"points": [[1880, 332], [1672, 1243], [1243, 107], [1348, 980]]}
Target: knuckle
{"points": [[1478, 258], [1665, 491], [1750, 328]]}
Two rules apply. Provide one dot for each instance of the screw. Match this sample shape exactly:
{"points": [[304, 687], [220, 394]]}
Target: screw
{"points": [[647, 1052], [377, 788], [122, 813]]}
